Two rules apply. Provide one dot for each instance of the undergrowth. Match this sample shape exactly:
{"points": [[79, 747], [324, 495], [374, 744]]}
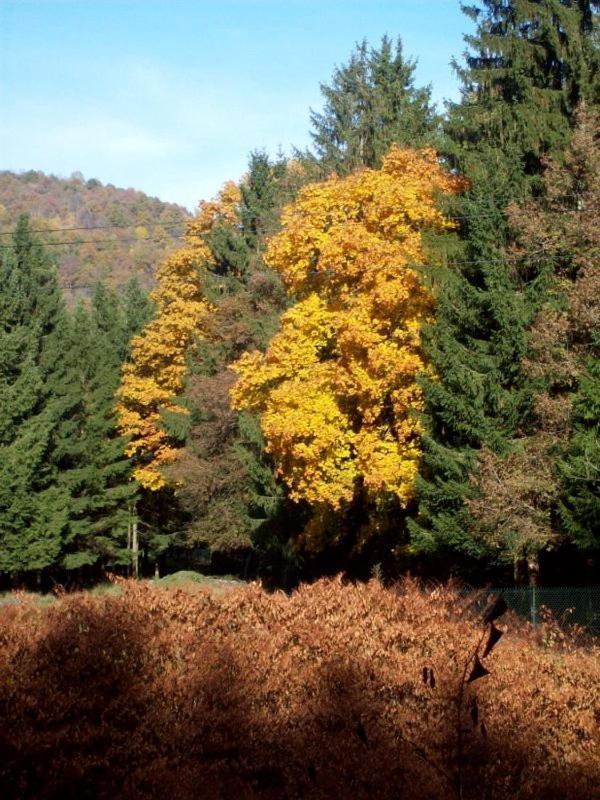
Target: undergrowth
{"points": [[336, 691]]}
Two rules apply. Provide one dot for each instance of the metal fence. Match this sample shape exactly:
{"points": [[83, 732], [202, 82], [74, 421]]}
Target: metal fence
{"points": [[569, 605]]}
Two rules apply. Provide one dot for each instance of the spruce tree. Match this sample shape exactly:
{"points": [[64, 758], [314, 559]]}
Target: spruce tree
{"points": [[525, 71], [259, 206], [65, 485], [34, 507], [528, 67], [97, 473], [138, 309], [371, 102]]}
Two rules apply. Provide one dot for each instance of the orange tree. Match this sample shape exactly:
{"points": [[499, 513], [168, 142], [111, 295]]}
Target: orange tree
{"points": [[337, 388]]}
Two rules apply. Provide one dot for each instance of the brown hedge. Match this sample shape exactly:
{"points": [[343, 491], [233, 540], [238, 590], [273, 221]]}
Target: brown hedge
{"points": [[168, 694]]}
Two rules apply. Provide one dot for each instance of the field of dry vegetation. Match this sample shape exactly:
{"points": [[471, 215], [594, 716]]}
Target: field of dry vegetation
{"points": [[158, 693]]}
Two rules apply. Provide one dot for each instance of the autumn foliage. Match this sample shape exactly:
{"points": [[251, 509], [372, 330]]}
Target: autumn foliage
{"points": [[336, 387], [158, 693], [98, 232], [154, 378]]}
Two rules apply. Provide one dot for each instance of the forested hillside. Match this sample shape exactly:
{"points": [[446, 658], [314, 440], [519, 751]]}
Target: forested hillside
{"points": [[98, 232]]}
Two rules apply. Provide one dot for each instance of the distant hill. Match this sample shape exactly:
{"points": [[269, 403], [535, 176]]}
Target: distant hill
{"points": [[136, 231]]}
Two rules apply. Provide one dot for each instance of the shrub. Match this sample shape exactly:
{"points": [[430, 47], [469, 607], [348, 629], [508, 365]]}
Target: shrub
{"points": [[159, 693]]}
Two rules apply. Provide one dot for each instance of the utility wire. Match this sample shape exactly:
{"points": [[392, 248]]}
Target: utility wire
{"points": [[176, 225], [74, 242], [103, 227], [144, 223]]}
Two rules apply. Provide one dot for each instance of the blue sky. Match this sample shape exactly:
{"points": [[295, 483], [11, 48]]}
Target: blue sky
{"points": [[170, 96]]}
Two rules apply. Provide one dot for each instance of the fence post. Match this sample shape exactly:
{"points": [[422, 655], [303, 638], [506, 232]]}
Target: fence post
{"points": [[534, 616], [533, 568]]}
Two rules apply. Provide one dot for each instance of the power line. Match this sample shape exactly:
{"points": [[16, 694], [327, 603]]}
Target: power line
{"points": [[451, 262], [74, 242], [144, 223], [176, 225], [102, 227]]}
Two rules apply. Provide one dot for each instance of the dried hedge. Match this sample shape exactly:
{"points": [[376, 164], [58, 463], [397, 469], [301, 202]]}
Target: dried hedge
{"points": [[167, 694]]}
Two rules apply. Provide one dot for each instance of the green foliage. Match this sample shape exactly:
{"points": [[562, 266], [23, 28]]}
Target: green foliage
{"points": [[65, 485], [528, 67], [371, 103], [580, 467], [99, 479], [33, 507], [502, 363], [476, 347], [524, 72]]}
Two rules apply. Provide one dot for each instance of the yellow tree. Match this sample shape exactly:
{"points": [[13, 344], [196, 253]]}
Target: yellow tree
{"points": [[154, 377], [337, 386]]}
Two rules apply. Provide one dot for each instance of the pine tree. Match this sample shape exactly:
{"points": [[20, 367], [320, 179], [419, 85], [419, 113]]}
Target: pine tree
{"points": [[371, 103], [523, 76]]}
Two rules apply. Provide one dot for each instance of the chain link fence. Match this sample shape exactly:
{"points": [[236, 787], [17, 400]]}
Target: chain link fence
{"points": [[575, 607]]}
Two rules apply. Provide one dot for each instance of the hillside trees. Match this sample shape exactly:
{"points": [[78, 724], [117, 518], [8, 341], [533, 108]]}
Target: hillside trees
{"points": [[336, 387], [143, 238], [527, 66], [371, 103]]}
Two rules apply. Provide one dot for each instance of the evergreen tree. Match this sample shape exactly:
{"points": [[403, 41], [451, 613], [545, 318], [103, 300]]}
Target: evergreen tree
{"points": [[34, 508], [555, 235], [138, 310], [98, 475], [580, 466], [110, 320], [120, 319], [371, 103], [524, 73], [65, 485], [259, 206], [528, 67]]}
